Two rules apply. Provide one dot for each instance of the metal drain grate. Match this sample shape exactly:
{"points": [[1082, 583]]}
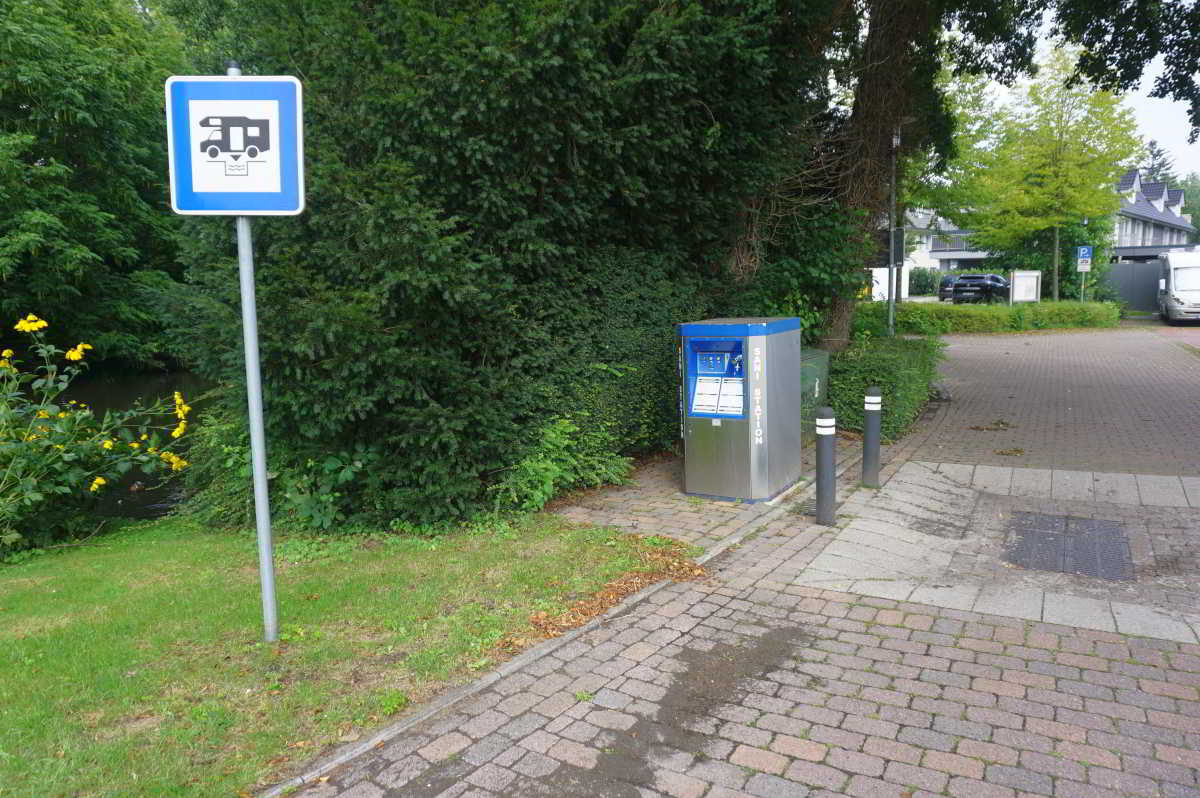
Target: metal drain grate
{"points": [[805, 507], [1068, 545]]}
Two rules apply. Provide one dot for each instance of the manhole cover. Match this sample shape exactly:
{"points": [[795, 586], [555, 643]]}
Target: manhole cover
{"points": [[1068, 545]]}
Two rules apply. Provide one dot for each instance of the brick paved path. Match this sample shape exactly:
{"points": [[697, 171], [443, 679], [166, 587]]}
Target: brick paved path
{"points": [[749, 685], [652, 503], [1107, 400]]}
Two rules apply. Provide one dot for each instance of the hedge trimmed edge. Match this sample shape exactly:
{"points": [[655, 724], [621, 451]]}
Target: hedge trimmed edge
{"points": [[927, 318], [903, 368]]}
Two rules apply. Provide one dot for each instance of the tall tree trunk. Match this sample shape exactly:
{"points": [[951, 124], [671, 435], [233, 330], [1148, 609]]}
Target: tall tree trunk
{"points": [[883, 96], [837, 328], [1056, 253]]}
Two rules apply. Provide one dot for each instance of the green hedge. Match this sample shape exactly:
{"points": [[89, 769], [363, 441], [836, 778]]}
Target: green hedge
{"points": [[903, 368], [478, 307], [927, 318]]}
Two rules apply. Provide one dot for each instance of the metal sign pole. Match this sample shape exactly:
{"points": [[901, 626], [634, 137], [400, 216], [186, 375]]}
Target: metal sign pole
{"points": [[258, 438], [258, 442]]}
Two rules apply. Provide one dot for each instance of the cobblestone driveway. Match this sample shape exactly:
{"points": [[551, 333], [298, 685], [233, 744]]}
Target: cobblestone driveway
{"points": [[1108, 400], [748, 685]]}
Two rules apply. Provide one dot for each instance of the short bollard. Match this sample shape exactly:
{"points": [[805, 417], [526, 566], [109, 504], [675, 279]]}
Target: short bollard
{"points": [[826, 466], [872, 415]]}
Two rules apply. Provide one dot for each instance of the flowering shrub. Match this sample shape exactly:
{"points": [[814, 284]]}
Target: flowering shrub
{"points": [[55, 457]]}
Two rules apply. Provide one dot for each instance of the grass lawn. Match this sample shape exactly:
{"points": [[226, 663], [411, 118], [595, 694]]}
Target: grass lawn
{"points": [[133, 665]]}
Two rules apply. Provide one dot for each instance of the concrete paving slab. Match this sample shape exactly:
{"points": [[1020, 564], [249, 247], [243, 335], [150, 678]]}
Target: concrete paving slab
{"points": [[897, 589], [1191, 487], [874, 526], [1077, 611], [993, 479], [1116, 488], [1031, 482], [954, 597], [891, 546], [918, 502], [854, 567], [917, 467], [940, 493], [1161, 491], [959, 472], [1010, 602], [823, 580], [1133, 619], [1072, 485], [932, 480], [890, 560]]}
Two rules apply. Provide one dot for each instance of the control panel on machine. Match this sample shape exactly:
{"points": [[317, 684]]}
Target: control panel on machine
{"points": [[716, 378]]}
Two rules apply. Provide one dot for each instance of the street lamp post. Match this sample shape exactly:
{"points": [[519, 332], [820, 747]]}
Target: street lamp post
{"points": [[893, 288]]}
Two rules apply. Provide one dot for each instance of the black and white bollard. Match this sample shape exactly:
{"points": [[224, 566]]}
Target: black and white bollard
{"points": [[872, 425], [826, 466]]}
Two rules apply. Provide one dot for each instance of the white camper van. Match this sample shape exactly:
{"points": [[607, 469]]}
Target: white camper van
{"points": [[1179, 286]]}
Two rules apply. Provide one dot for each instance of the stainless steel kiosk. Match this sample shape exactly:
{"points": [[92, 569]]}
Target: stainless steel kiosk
{"points": [[740, 392]]}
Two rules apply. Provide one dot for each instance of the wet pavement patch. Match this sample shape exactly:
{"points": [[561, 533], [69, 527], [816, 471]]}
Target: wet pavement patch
{"points": [[1069, 545], [683, 730]]}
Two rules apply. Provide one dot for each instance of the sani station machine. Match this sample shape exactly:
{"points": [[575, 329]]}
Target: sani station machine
{"points": [[740, 389]]}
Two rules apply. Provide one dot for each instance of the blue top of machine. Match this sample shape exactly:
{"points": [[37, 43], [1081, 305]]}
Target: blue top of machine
{"points": [[740, 328]]}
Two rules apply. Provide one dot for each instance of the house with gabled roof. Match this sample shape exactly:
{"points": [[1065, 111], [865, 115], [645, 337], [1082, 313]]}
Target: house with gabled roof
{"points": [[1150, 220]]}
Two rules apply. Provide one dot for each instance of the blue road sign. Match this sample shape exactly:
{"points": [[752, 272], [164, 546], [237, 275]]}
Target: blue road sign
{"points": [[236, 145], [1083, 259]]}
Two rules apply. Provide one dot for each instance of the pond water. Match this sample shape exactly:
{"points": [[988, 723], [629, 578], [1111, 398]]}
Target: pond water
{"points": [[136, 495]]}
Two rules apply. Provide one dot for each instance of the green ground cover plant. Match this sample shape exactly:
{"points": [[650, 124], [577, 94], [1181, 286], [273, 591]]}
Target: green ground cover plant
{"points": [[133, 665], [903, 368], [928, 318]]}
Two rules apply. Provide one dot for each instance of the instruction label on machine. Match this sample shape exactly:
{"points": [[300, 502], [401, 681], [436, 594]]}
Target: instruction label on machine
{"points": [[718, 395]]}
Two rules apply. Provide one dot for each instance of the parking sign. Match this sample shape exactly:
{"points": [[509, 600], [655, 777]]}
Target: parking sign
{"points": [[1083, 259], [236, 145]]}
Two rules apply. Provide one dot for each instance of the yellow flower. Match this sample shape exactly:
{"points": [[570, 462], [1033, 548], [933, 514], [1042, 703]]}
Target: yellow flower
{"points": [[43, 414], [62, 414], [4, 364], [6, 353], [177, 462], [178, 431], [96, 483], [30, 323], [76, 352], [144, 436], [135, 445], [108, 444]]}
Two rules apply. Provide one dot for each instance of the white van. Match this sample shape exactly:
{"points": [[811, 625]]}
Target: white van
{"points": [[1179, 286]]}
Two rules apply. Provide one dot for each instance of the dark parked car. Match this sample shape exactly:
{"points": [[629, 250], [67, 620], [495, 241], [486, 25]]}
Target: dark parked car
{"points": [[946, 287], [980, 288]]}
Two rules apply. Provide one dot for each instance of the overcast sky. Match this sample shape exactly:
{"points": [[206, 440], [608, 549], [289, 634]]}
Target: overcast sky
{"points": [[1164, 121]]}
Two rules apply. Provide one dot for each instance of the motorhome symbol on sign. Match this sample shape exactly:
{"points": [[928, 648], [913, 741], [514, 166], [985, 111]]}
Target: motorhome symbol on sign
{"points": [[236, 135]]}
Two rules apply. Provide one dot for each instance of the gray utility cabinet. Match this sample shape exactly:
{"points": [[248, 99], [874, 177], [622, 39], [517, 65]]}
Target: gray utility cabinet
{"points": [[740, 402]]}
